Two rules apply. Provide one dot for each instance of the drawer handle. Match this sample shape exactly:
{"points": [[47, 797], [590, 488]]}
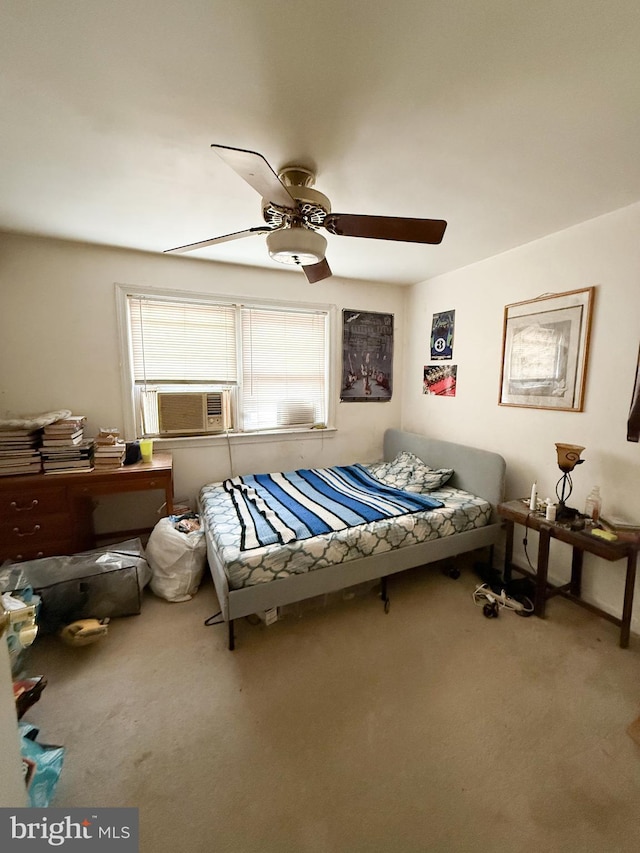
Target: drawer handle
{"points": [[38, 555], [14, 505], [17, 531]]}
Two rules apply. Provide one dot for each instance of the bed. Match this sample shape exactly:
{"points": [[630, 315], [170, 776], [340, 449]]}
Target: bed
{"points": [[465, 483]]}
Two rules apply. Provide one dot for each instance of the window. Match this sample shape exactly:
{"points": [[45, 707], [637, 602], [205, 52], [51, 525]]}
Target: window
{"points": [[283, 368], [196, 365]]}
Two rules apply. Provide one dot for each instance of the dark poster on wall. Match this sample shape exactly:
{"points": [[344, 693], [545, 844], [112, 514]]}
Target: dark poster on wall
{"points": [[367, 357], [442, 335]]}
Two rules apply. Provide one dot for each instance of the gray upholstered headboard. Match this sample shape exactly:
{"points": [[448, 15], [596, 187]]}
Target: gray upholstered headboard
{"points": [[480, 472]]}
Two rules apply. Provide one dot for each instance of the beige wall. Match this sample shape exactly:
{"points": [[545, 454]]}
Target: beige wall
{"points": [[59, 349], [604, 252]]}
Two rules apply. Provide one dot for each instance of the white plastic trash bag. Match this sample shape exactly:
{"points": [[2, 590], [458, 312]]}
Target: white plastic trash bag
{"points": [[177, 560]]}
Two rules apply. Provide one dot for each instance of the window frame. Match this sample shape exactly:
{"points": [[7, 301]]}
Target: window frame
{"points": [[124, 291]]}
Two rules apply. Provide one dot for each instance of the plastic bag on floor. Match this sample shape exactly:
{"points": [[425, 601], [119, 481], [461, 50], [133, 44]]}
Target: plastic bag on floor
{"points": [[97, 584], [42, 765], [130, 550], [177, 559]]}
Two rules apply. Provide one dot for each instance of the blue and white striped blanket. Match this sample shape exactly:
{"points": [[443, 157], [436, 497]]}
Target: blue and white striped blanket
{"points": [[300, 504]]}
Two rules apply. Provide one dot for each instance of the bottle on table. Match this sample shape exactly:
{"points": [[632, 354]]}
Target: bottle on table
{"points": [[593, 504]]}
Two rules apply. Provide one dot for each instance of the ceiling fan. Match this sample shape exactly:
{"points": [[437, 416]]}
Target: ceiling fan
{"points": [[293, 211]]}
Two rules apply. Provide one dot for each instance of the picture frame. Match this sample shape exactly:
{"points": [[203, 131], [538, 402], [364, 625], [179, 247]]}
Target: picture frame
{"points": [[633, 423], [545, 351]]}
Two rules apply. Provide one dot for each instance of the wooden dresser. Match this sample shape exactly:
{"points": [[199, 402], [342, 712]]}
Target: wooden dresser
{"points": [[44, 515]]}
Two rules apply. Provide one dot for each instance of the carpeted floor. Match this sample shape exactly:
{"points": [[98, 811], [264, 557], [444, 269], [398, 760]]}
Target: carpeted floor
{"points": [[430, 728]]}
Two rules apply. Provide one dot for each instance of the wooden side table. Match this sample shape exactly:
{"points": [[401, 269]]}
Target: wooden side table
{"points": [[518, 512]]}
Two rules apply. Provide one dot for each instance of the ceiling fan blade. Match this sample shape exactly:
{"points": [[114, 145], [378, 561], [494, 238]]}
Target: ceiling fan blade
{"points": [[386, 227], [317, 272], [260, 229], [254, 169]]}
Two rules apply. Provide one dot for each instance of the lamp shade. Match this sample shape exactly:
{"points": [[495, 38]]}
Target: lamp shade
{"points": [[568, 456]]}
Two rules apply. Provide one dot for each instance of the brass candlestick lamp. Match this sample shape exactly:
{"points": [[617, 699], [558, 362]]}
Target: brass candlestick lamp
{"points": [[568, 458]]}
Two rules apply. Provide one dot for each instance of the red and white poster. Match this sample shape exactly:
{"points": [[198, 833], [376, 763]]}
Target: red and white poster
{"points": [[440, 380]]}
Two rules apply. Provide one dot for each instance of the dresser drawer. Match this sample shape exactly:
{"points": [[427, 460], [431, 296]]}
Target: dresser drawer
{"points": [[28, 501], [34, 530], [30, 551]]}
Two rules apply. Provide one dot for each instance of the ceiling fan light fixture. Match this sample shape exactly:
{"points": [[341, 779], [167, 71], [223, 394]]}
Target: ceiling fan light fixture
{"points": [[296, 246], [293, 211]]}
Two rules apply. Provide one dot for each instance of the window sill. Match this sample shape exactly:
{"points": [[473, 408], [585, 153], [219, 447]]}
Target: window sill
{"points": [[266, 437]]}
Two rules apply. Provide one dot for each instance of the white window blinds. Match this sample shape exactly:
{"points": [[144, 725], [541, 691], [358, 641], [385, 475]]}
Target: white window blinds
{"points": [[284, 368], [276, 355], [174, 341]]}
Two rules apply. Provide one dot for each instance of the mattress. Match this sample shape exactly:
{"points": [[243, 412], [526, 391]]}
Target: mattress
{"points": [[461, 512]]}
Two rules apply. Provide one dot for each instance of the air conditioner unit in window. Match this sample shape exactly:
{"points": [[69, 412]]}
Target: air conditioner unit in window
{"points": [[191, 412], [292, 413]]}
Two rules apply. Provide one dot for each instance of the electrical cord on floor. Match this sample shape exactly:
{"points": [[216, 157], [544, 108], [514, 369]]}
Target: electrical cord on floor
{"points": [[484, 595], [525, 541]]}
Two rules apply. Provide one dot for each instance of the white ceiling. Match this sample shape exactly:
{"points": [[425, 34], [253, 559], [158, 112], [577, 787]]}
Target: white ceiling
{"points": [[511, 119]]}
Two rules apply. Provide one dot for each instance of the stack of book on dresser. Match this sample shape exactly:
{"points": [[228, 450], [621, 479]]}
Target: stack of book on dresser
{"points": [[64, 447], [19, 451], [109, 450]]}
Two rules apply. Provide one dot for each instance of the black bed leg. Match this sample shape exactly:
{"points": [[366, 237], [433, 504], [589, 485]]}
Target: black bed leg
{"points": [[232, 639], [383, 594]]}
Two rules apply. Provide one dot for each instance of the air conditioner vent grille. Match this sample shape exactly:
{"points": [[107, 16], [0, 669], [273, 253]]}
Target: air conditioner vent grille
{"points": [[184, 413], [214, 405]]}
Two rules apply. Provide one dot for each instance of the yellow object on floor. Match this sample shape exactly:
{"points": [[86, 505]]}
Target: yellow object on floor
{"points": [[84, 631]]}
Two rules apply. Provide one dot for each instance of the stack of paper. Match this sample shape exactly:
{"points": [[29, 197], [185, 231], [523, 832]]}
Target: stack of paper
{"points": [[621, 527]]}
